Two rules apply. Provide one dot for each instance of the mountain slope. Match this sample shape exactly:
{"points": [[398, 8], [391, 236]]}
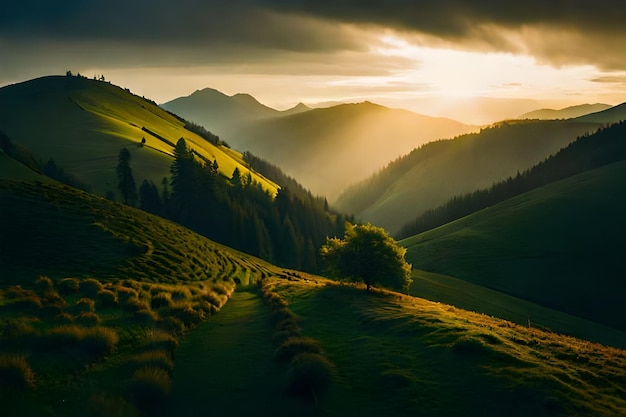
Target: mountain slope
{"points": [[222, 114], [560, 246], [431, 175], [613, 115], [82, 125], [329, 149], [565, 113]]}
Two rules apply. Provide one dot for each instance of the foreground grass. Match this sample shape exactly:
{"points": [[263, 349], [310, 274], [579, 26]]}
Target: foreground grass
{"points": [[226, 367], [399, 355]]}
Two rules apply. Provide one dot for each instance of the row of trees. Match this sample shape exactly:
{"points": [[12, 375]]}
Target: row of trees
{"points": [[286, 229], [605, 146]]}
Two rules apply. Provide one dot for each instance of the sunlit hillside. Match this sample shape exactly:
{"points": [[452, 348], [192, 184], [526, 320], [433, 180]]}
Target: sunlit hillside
{"points": [[329, 149], [431, 175], [82, 124], [559, 246]]}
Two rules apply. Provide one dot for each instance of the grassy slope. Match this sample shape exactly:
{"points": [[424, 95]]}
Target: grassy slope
{"points": [[59, 231], [82, 124], [473, 297], [399, 355], [430, 176], [394, 355], [559, 246]]}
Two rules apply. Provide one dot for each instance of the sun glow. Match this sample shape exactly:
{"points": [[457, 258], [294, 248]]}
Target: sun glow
{"points": [[452, 73]]}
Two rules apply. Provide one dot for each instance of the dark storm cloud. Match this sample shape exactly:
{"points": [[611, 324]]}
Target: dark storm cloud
{"points": [[185, 23], [555, 31], [205, 31]]}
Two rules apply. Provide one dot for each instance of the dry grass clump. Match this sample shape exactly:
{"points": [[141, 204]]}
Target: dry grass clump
{"points": [[181, 293], [106, 298], [293, 346], [152, 359], [15, 373], [309, 374], [90, 287], [124, 294], [160, 340], [149, 389], [145, 317], [160, 300], [85, 305], [94, 341], [88, 318], [44, 286], [68, 286]]}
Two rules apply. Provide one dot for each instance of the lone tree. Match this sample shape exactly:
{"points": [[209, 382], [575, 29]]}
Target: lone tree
{"points": [[125, 179], [368, 254]]}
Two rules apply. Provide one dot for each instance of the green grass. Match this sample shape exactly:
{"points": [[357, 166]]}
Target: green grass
{"points": [[399, 355], [559, 246], [468, 296], [82, 124], [226, 366]]}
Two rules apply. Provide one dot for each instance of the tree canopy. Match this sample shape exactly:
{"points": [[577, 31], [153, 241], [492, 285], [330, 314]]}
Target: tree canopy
{"points": [[368, 254]]}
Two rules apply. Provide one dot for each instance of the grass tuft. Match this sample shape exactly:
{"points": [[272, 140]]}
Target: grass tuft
{"points": [[309, 374], [293, 346], [15, 372], [149, 389]]}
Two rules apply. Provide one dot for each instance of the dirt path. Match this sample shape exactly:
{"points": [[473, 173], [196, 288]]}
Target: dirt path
{"points": [[225, 367]]}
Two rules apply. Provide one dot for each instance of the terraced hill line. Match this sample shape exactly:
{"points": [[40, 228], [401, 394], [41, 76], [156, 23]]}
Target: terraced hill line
{"points": [[225, 367]]}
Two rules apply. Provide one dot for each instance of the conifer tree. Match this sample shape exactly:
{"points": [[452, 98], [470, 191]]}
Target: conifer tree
{"points": [[125, 179]]}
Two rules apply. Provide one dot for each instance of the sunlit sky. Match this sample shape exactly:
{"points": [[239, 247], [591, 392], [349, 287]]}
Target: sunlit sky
{"points": [[476, 62]]}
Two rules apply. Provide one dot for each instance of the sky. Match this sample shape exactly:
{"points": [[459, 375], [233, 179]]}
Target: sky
{"points": [[475, 61]]}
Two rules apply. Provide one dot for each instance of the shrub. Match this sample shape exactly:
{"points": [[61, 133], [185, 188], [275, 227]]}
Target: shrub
{"points": [[106, 298], [149, 388], [88, 318], [90, 287], [162, 299], [69, 286], [293, 346], [309, 374], [15, 373]]}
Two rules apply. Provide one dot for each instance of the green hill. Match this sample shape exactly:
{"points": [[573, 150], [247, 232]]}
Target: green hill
{"points": [[82, 124], [559, 246], [135, 319], [432, 174]]}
